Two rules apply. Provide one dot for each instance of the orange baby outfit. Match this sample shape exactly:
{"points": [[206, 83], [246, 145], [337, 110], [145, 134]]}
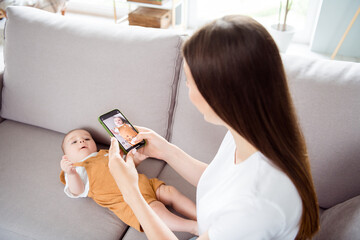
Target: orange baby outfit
{"points": [[105, 192]]}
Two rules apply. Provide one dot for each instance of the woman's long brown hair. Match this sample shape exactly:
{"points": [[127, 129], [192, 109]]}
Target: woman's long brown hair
{"points": [[237, 68]]}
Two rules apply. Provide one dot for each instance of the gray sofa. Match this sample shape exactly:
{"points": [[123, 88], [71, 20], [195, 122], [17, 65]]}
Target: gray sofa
{"points": [[62, 74]]}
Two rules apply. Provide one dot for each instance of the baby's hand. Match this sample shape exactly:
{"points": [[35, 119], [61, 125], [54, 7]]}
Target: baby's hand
{"points": [[67, 166]]}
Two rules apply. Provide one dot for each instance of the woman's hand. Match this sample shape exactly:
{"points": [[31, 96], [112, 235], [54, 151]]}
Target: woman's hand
{"points": [[156, 146], [124, 172], [126, 177]]}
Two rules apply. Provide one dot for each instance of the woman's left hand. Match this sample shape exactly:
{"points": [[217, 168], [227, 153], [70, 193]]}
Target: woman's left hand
{"points": [[124, 172], [126, 177]]}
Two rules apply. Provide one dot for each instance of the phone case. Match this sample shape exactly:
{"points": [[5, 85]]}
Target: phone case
{"points": [[111, 134]]}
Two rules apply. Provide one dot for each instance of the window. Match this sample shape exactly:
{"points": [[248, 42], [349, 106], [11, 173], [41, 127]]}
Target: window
{"points": [[98, 7], [302, 14]]}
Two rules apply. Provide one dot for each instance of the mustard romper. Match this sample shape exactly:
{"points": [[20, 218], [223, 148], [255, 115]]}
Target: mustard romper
{"points": [[105, 192]]}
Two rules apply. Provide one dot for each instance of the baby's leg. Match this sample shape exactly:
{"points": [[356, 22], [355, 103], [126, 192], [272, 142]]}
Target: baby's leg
{"points": [[170, 196], [174, 222]]}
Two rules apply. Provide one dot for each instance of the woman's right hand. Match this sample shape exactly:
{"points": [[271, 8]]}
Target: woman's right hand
{"points": [[155, 147]]}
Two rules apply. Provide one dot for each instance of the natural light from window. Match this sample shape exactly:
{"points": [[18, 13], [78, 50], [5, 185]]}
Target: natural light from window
{"points": [[264, 11], [302, 15]]}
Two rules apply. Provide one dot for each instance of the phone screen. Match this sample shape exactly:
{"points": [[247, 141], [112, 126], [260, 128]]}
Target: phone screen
{"points": [[119, 127]]}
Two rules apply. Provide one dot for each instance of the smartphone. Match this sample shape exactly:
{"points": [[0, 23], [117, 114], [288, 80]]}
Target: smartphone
{"points": [[118, 126]]}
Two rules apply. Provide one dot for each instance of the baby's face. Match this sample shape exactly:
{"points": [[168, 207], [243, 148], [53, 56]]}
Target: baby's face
{"points": [[118, 121], [78, 145]]}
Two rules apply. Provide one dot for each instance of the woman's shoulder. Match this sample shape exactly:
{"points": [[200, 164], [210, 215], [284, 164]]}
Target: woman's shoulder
{"points": [[227, 146], [272, 178]]}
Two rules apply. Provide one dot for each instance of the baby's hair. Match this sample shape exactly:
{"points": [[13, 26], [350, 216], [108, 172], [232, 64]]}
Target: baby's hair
{"points": [[76, 129]]}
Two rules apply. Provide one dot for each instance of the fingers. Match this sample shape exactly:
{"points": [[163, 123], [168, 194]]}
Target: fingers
{"points": [[141, 136], [138, 155], [142, 129], [114, 150], [122, 152], [64, 160], [72, 170], [67, 166], [116, 146], [130, 159]]}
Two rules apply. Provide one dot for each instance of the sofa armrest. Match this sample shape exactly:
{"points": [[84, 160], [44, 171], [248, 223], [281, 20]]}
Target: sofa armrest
{"points": [[341, 221], [1, 86]]}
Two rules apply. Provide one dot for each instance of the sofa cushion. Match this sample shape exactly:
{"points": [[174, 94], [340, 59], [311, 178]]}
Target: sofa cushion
{"points": [[62, 74], [326, 96], [341, 221], [33, 204]]}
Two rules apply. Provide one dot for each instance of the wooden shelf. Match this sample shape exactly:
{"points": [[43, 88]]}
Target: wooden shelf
{"points": [[172, 5], [166, 5]]}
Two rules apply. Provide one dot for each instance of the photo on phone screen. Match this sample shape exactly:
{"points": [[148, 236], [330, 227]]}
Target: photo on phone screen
{"points": [[118, 125]]}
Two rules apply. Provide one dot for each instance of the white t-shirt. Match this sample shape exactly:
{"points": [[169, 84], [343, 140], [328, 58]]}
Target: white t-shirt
{"points": [[250, 200], [84, 177]]}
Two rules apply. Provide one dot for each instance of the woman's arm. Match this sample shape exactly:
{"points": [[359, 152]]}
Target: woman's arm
{"points": [[188, 167], [126, 177], [156, 146]]}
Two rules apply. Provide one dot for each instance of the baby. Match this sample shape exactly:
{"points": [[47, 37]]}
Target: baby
{"points": [[85, 173], [124, 130]]}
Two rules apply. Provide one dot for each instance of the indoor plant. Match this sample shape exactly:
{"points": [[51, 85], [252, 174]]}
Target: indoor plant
{"points": [[282, 32]]}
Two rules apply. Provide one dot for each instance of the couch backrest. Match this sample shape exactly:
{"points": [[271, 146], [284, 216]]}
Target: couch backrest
{"points": [[61, 73], [326, 96]]}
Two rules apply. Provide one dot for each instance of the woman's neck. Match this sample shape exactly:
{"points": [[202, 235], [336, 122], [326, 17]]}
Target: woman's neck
{"points": [[243, 148]]}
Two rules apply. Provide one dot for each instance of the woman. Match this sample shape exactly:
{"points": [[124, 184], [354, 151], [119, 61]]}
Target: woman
{"points": [[259, 185]]}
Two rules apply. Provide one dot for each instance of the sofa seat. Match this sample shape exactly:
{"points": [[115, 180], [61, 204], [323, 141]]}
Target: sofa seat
{"points": [[33, 204]]}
